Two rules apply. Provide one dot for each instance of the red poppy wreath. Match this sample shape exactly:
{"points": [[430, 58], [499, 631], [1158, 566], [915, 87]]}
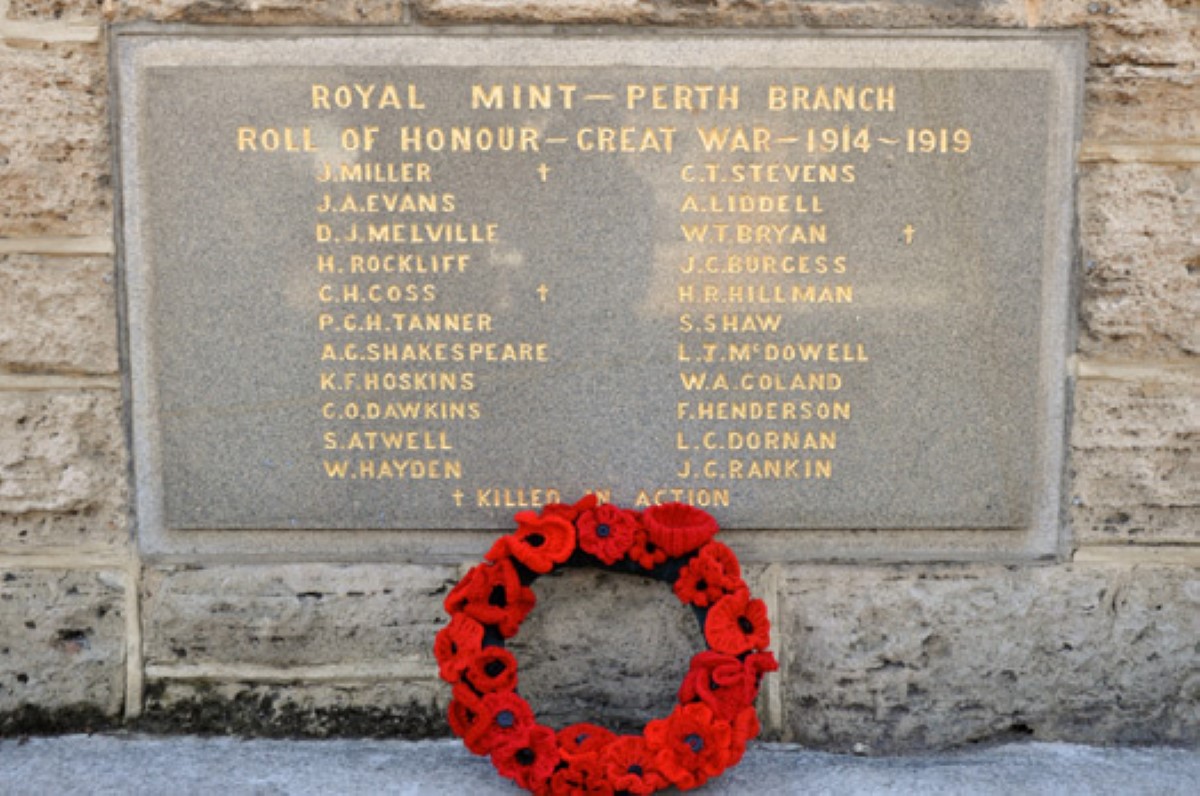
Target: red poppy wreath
{"points": [[715, 717]]}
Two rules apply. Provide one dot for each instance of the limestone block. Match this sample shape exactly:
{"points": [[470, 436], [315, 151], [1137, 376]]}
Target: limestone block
{"points": [[49, 10], [293, 614], [313, 710], [1136, 463], [1151, 32], [62, 469], [1153, 477], [57, 314], [258, 12], [63, 645], [731, 13], [1141, 248], [912, 14], [908, 658], [1099, 524], [598, 646], [546, 11], [1150, 413], [55, 178], [604, 647], [1134, 103]]}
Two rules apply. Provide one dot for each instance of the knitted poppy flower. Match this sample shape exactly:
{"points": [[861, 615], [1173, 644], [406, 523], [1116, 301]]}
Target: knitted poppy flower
{"points": [[583, 740], [644, 551], [607, 532], [465, 710], [690, 746], [494, 595], [502, 717], [493, 669], [580, 775], [708, 577], [725, 683], [679, 528], [456, 645], [570, 511], [719, 681], [758, 665], [528, 756], [745, 727], [738, 624], [539, 542], [631, 767]]}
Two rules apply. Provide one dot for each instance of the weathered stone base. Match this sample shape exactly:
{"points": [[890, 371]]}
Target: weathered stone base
{"points": [[274, 710]]}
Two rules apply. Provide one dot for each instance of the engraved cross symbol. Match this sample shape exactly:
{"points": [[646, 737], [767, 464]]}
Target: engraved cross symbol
{"points": [[542, 290], [458, 496], [908, 233], [543, 170]]}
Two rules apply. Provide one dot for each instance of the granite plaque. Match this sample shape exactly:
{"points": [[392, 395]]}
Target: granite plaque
{"points": [[423, 281]]}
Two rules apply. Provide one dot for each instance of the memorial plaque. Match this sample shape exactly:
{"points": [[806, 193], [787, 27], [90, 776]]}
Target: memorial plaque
{"points": [[422, 281]]}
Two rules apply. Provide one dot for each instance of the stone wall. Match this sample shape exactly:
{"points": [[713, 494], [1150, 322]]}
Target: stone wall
{"points": [[1101, 647]]}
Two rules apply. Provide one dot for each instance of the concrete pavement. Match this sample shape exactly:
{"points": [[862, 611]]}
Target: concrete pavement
{"points": [[181, 766]]}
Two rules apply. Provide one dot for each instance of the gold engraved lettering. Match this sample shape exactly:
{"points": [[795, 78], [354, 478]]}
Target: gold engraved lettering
{"points": [[735, 139], [739, 173], [436, 352], [388, 203], [680, 97], [765, 264], [779, 469], [369, 96], [699, 496], [867, 99], [520, 498], [275, 139], [762, 410], [401, 381], [444, 232], [409, 263], [394, 469], [751, 203], [470, 139], [764, 294], [401, 410], [625, 139], [755, 233], [736, 322], [374, 172], [377, 294], [693, 381], [516, 96]]}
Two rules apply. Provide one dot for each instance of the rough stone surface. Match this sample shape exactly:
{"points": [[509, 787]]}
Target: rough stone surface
{"points": [[254, 12], [62, 469], [47, 10], [1151, 32], [1141, 249], [606, 648], [408, 709], [55, 177], [1135, 103], [549, 11], [912, 14], [57, 314], [910, 658], [1136, 461], [63, 644], [293, 615]]}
